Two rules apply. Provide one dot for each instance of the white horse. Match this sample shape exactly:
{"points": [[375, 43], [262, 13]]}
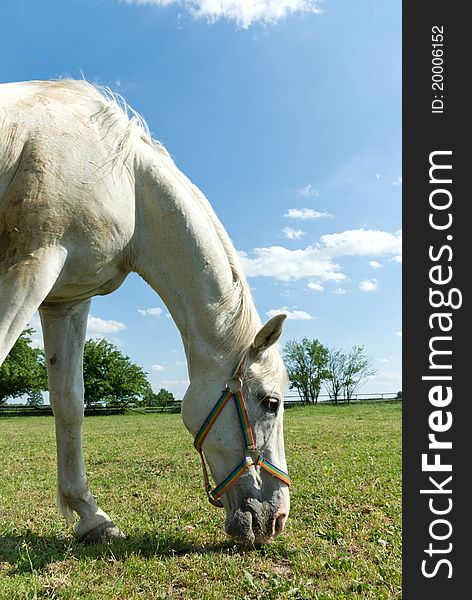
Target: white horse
{"points": [[86, 197]]}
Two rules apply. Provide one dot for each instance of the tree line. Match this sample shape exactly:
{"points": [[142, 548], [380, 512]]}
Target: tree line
{"points": [[110, 378], [311, 365]]}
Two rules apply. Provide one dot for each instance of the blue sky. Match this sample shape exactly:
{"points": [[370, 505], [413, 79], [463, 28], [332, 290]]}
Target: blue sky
{"points": [[287, 114]]}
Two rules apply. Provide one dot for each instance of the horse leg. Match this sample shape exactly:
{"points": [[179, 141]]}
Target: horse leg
{"points": [[23, 286], [64, 328]]}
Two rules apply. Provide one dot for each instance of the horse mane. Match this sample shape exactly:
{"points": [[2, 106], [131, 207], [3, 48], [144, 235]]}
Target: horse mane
{"points": [[120, 125], [125, 126], [242, 320]]}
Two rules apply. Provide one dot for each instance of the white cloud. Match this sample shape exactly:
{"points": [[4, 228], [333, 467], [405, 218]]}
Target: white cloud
{"points": [[308, 191], [399, 333], [305, 213], [362, 242], [115, 341], [315, 286], [286, 265], [390, 382], [158, 368], [397, 258], [150, 312], [292, 315], [37, 336], [374, 264], [244, 12], [397, 180], [339, 291], [37, 342], [287, 293], [369, 285], [292, 234], [316, 261], [98, 326]]}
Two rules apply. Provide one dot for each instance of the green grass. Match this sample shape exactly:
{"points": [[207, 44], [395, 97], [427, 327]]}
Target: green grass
{"points": [[343, 537]]}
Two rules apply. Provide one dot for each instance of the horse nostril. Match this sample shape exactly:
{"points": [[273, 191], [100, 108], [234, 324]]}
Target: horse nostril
{"points": [[279, 523], [255, 520]]}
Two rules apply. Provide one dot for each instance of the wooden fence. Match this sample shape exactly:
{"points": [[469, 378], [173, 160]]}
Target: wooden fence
{"points": [[295, 400], [21, 410]]}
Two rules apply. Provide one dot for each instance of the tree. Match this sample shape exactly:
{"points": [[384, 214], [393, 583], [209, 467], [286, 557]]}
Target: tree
{"points": [[111, 377], [336, 366], [35, 398], [306, 365], [347, 372], [162, 397], [357, 369], [23, 371]]}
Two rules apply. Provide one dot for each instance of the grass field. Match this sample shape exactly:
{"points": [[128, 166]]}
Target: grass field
{"points": [[343, 537]]}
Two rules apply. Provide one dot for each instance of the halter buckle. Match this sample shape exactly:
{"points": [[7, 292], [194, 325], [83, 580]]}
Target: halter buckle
{"points": [[236, 381]]}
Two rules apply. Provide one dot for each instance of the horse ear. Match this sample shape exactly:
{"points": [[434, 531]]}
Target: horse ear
{"points": [[269, 333]]}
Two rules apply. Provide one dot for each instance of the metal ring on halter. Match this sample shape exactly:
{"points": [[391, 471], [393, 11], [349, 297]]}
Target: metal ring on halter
{"points": [[237, 380]]}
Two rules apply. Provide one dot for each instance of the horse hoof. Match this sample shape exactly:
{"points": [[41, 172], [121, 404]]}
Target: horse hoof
{"points": [[105, 532]]}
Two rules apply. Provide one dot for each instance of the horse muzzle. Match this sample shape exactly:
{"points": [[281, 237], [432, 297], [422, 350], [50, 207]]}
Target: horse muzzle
{"points": [[255, 522]]}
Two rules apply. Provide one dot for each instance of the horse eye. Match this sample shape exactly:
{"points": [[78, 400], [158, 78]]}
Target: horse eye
{"points": [[271, 404]]}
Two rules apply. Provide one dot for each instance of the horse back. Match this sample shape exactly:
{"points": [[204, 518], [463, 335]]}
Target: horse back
{"points": [[60, 180]]}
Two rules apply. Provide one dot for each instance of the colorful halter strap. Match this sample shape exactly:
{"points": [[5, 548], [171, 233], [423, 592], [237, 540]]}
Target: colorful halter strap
{"points": [[215, 494]]}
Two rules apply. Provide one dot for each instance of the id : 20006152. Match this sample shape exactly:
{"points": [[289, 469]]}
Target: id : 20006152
{"points": [[437, 69]]}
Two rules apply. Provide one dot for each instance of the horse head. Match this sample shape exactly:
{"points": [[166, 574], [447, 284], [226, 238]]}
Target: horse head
{"points": [[240, 434]]}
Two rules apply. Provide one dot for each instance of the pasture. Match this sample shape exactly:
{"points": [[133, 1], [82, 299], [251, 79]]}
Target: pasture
{"points": [[343, 537]]}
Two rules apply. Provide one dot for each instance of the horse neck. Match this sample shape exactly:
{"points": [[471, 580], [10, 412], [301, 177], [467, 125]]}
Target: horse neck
{"points": [[183, 252]]}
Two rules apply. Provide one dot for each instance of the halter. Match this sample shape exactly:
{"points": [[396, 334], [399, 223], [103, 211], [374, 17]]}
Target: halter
{"points": [[215, 494]]}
